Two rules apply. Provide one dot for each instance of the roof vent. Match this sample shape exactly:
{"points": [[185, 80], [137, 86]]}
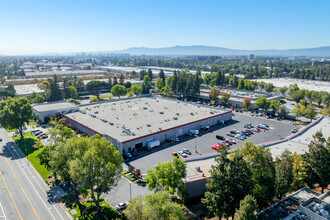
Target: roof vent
{"points": [[161, 113], [175, 118]]}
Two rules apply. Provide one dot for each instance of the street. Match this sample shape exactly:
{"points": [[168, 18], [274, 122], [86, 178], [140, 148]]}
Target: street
{"points": [[23, 192]]}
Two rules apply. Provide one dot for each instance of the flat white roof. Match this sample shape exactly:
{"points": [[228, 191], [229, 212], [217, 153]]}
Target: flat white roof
{"points": [[54, 106], [133, 118], [28, 89]]}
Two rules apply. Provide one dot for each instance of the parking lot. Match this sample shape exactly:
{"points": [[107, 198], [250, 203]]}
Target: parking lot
{"points": [[203, 142]]}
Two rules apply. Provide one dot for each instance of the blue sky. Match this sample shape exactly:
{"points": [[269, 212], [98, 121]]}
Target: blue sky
{"points": [[61, 26]]}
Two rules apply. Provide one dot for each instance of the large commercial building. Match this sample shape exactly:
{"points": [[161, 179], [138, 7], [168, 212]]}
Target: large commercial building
{"points": [[45, 110], [133, 123]]}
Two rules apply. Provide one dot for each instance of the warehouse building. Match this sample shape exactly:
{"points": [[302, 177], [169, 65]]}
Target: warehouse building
{"points": [[45, 110], [132, 124]]}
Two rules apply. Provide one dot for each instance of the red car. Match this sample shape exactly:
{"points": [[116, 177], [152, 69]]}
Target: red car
{"points": [[216, 146], [175, 154]]}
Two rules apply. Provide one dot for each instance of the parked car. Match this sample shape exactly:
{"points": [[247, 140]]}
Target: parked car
{"points": [[262, 126], [234, 131], [232, 141], [128, 155], [121, 206], [216, 146], [250, 131], [220, 137], [228, 142], [248, 126], [294, 130], [255, 129], [175, 154], [230, 135], [240, 136], [224, 143], [182, 153], [265, 125], [246, 133], [186, 151]]}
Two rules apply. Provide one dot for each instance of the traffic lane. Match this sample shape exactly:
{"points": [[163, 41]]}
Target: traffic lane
{"points": [[34, 185], [203, 143], [12, 188]]}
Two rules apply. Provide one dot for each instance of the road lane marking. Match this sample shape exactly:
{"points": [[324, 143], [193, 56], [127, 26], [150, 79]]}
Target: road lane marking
{"points": [[35, 212], [32, 184], [11, 196], [3, 212]]}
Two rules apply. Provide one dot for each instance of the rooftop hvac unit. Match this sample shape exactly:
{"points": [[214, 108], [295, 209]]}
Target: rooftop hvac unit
{"points": [[96, 112], [177, 114], [161, 113], [145, 108], [111, 123], [175, 118], [149, 125], [93, 116], [191, 113], [104, 120]]}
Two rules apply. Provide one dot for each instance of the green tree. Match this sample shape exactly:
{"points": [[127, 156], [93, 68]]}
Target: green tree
{"points": [[318, 159], [56, 92], [38, 99], [71, 92], [154, 206], [283, 110], [207, 79], [94, 87], [146, 85], [97, 165], [168, 176], [316, 96], [240, 84], [284, 176], [162, 76], [136, 89], [159, 84], [14, 113], [269, 87], [274, 105], [118, 90], [326, 98], [247, 103], [297, 111], [298, 95], [263, 172], [247, 207], [299, 172], [197, 81], [121, 79], [293, 88], [310, 112], [150, 75], [229, 184], [262, 102], [283, 90]]}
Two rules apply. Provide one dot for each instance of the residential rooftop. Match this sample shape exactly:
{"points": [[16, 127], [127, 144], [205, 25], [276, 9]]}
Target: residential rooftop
{"points": [[133, 118]]}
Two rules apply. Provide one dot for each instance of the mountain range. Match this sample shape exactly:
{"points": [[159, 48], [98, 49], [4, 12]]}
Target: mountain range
{"points": [[201, 50]]}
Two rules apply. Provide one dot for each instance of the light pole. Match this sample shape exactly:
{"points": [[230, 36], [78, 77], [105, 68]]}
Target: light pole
{"points": [[196, 145], [130, 190]]}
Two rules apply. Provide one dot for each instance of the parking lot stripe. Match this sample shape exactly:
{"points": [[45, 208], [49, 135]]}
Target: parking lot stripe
{"points": [[3, 212], [11, 196]]}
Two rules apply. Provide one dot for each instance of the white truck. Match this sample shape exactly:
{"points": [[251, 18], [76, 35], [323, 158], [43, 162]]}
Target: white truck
{"points": [[193, 132], [152, 144]]}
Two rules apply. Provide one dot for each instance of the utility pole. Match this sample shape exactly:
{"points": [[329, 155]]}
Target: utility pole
{"points": [[130, 190], [196, 145]]}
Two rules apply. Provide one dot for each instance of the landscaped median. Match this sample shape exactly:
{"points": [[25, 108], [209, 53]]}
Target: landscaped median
{"points": [[26, 145], [134, 175]]}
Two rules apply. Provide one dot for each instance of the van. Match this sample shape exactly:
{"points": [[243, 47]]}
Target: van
{"points": [[153, 144]]}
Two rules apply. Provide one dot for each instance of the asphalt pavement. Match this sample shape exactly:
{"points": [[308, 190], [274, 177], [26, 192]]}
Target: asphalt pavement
{"points": [[23, 192], [202, 143]]}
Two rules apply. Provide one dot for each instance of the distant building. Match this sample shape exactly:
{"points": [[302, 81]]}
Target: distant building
{"points": [[320, 62], [45, 110], [251, 57], [302, 204]]}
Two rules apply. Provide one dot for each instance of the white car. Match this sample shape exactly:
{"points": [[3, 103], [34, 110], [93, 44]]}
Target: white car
{"points": [[186, 151], [294, 130], [183, 154], [121, 206], [232, 141]]}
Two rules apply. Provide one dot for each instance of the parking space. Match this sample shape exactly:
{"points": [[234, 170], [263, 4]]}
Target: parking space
{"points": [[202, 144], [2, 212]]}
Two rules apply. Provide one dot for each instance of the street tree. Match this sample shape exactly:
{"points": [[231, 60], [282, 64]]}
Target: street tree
{"points": [[214, 94], [310, 112], [162, 76], [121, 79], [274, 105], [318, 159], [146, 85], [95, 87], [150, 75], [97, 165], [316, 97], [55, 91], [293, 88], [246, 210], [168, 176], [283, 110], [269, 87], [298, 95], [284, 176], [247, 103], [207, 79], [38, 99], [225, 97], [262, 102], [159, 84], [71, 92], [240, 84], [297, 111], [283, 90], [154, 206], [229, 184], [118, 90], [14, 113], [136, 89]]}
